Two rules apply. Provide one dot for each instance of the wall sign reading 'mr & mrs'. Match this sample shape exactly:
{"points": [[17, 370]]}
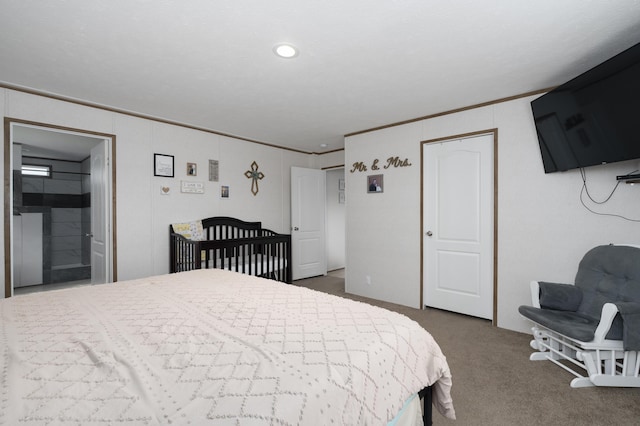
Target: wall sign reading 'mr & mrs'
{"points": [[359, 166]]}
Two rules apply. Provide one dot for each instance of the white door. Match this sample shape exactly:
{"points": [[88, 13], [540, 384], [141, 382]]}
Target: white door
{"points": [[100, 215], [458, 225], [308, 198]]}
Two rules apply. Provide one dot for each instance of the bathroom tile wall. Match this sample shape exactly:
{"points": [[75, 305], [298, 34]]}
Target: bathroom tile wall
{"points": [[63, 193]]}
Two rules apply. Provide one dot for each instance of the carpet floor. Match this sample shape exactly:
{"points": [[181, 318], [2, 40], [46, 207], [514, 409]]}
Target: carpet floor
{"points": [[494, 383]]}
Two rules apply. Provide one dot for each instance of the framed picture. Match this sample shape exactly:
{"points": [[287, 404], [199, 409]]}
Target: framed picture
{"points": [[192, 169], [224, 191], [341, 197], [163, 165], [213, 170], [375, 184], [341, 184]]}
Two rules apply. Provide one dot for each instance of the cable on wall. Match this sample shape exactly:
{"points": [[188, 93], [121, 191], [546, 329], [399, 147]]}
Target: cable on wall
{"points": [[585, 190]]}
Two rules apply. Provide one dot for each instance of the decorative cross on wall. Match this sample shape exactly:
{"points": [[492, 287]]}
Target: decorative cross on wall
{"points": [[255, 175]]}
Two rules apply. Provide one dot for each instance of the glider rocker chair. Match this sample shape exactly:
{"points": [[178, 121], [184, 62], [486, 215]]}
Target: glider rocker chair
{"points": [[594, 325]]}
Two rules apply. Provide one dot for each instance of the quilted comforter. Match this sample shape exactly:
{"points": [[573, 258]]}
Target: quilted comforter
{"points": [[209, 346]]}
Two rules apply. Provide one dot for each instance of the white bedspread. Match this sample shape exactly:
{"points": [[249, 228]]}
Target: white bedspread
{"points": [[209, 346]]}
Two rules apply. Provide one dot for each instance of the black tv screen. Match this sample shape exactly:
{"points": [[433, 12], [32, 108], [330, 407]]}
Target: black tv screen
{"points": [[594, 118]]}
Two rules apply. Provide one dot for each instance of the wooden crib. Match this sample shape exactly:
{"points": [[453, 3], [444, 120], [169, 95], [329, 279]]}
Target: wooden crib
{"points": [[235, 245]]}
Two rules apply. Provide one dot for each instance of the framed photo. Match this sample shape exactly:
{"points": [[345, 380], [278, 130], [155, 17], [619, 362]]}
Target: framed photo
{"points": [[163, 165], [375, 184], [213, 170], [224, 191], [192, 169]]}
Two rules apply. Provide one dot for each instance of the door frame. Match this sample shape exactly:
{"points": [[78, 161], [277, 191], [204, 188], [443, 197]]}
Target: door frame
{"points": [[327, 227], [8, 193], [297, 227], [493, 132]]}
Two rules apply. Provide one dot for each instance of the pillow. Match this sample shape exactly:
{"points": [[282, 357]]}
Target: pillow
{"points": [[561, 297], [190, 230]]}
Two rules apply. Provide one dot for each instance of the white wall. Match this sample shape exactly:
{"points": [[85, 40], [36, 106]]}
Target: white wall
{"points": [[331, 159], [142, 213], [543, 229], [383, 229]]}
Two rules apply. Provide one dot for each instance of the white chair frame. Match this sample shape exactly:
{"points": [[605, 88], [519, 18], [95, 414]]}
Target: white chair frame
{"points": [[605, 362]]}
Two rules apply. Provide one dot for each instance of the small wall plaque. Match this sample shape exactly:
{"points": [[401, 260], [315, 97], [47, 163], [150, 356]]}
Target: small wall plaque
{"points": [[213, 170], [192, 187]]}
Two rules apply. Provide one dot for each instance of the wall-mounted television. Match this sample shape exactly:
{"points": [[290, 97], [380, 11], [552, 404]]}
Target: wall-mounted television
{"points": [[593, 118]]}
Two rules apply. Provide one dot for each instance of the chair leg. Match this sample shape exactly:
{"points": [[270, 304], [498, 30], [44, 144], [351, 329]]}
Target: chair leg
{"points": [[602, 367], [549, 347], [553, 347], [612, 368], [631, 364], [582, 382]]}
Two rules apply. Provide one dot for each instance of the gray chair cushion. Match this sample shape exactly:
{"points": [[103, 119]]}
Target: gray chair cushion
{"points": [[608, 274], [570, 324], [561, 297]]}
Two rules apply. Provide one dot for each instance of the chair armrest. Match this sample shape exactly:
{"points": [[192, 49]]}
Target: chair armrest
{"points": [[535, 294], [609, 311], [561, 297]]}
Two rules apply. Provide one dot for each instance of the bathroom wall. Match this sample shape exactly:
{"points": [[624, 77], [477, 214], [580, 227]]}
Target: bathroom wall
{"points": [[64, 227]]}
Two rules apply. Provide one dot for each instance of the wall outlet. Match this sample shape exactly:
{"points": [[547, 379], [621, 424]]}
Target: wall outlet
{"points": [[367, 279]]}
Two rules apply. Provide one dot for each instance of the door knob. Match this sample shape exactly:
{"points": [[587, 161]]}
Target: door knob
{"points": [[295, 229], [429, 233]]}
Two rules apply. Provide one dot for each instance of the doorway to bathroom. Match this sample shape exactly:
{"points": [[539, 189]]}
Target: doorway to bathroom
{"points": [[61, 207]]}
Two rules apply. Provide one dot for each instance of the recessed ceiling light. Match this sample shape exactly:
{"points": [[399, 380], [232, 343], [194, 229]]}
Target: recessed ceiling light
{"points": [[324, 145], [285, 50]]}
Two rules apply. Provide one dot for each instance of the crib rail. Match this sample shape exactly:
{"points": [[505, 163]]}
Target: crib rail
{"points": [[183, 254], [253, 251]]}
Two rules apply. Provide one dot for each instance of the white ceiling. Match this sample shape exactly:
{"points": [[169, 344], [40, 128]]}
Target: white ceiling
{"points": [[362, 63], [54, 144]]}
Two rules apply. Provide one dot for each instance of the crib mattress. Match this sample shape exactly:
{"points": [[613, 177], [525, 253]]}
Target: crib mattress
{"points": [[256, 265]]}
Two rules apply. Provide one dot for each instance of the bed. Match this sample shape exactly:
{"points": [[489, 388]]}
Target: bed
{"points": [[211, 346], [229, 243]]}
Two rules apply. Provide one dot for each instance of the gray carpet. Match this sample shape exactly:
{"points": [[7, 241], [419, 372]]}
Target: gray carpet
{"points": [[494, 383]]}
